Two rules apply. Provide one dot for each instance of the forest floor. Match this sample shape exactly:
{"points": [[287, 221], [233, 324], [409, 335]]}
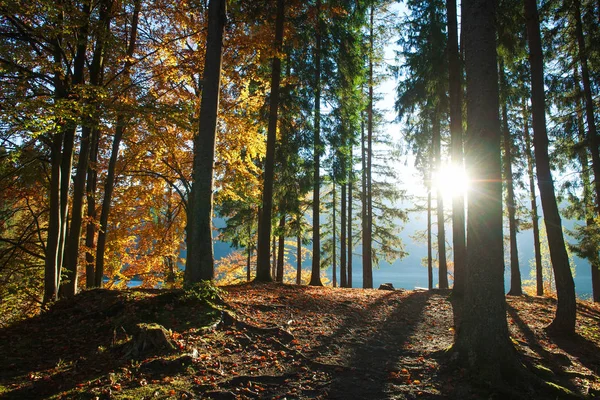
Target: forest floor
{"points": [[274, 341]]}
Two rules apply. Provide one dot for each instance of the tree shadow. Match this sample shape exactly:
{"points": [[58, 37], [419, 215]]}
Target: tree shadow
{"points": [[79, 340]]}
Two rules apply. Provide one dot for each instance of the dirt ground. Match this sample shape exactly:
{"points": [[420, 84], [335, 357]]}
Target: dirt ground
{"points": [[274, 341]]}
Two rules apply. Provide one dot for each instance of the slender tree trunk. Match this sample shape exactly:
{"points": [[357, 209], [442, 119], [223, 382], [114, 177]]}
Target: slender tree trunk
{"points": [[515, 273], [52, 263], [111, 174], [429, 224], [368, 216], [299, 252], [274, 252], [350, 185], [564, 321], [280, 248], [343, 215], [264, 229], [315, 276], [439, 197], [456, 135], [588, 204], [334, 238], [90, 232], [539, 278], [79, 186], [249, 265], [482, 340]]}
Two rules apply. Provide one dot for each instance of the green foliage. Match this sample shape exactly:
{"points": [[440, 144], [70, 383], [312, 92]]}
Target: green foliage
{"points": [[205, 292]]}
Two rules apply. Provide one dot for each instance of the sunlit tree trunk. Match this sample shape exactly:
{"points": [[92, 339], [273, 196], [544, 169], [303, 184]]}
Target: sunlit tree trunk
{"points": [[334, 239], [264, 228], [456, 135], [439, 200], [564, 320], [315, 276], [350, 185]]}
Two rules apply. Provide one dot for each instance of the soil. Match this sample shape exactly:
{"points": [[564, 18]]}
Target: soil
{"points": [[274, 341]]}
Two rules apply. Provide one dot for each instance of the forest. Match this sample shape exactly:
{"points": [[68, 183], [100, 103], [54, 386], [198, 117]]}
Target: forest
{"points": [[128, 127]]}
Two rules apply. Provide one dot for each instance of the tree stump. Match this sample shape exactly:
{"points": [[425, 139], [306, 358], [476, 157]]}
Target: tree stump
{"points": [[386, 286], [150, 338]]}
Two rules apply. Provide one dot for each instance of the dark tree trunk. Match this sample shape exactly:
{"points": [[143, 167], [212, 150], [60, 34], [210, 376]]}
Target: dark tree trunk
{"points": [[482, 340], [439, 197], [109, 184], [564, 321], [456, 136], [90, 124], [200, 257], [368, 200], [334, 238], [90, 231], [315, 276], [539, 278], [515, 273], [350, 185], [280, 250], [274, 252], [343, 215]]}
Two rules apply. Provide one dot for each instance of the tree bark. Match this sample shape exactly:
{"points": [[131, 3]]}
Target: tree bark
{"points": [[564, 320], [482, 340], [539, 278], [334, 237], [315, 276], [299, 251], [456, 136], [429, 243], [515, 273]]}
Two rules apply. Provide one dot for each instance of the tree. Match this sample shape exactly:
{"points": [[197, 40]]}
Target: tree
{"points": [[564, 320], [264, 226], [200, 259], [484, 348]]}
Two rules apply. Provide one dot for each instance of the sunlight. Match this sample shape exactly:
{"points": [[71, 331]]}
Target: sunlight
{"points": [[451, 181]]}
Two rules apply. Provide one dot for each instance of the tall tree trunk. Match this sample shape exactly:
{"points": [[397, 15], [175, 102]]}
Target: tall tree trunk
{"points": [[200, 256], [315, 276], [429, 224], [564, 320], [482, 340], [368, 195], [589, 101], [539, 278], [588, 204], [343, 215], [350, 185], [456, 136], [274, 252], [280, 248], [90, 231], [439, 197], [52, 262], [110, 176], [515, 273], [79, 186], [334, 266], [299, 251]]}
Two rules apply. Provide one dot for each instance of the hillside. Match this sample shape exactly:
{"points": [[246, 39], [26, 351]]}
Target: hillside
{"points": [[277, 341]]}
